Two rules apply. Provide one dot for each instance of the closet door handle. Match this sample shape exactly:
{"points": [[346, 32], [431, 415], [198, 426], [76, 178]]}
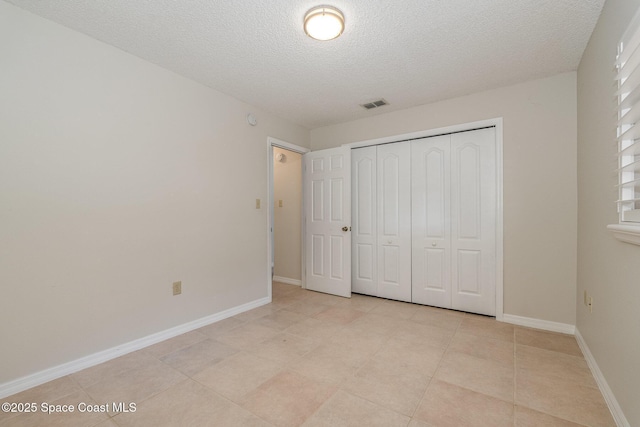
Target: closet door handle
{"points": [[434, 244], [345, 228]]}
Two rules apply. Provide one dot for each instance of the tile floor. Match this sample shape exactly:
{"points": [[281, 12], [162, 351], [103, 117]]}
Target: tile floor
{"points": [[317, 360]]}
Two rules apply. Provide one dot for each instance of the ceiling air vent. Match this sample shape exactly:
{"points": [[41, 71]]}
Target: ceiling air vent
{"points": [[374, 104]]}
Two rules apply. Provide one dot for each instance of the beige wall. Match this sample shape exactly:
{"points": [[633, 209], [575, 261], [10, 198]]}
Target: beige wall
{"points": [[117, 178], [287, 220], [607, 268], [539, 182]]}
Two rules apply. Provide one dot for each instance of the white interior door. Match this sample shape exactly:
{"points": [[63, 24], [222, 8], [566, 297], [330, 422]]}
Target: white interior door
{"points": [[431, 239], [473, 221], [394, 221], [363, 211], [327, 204]]}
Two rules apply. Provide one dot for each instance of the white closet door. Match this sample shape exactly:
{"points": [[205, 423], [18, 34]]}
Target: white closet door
{"points": [[473, 221], [431, 242], [363, 211], [394, 221], [327, 204]]}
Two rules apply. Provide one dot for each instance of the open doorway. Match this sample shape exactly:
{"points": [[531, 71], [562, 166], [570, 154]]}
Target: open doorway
{"points": [[286, 249], [287, 216]]}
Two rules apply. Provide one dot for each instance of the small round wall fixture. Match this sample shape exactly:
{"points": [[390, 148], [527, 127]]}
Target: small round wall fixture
{"points": [[251, 119], [324, 23]]}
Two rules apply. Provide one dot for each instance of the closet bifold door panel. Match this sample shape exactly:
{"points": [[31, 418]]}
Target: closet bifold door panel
{"points": [[430, 213], [454, 214], [381, 209], [363, 211], [394, 221], [473, 221]]}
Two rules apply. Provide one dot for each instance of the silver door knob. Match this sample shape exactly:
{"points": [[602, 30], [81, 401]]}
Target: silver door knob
{"points": [[434, 244]]}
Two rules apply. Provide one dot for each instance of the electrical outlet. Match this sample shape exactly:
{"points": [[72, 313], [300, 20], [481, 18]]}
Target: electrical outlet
{"points": [[177, 288], [590, 304], [280, 203], [257, 203]]}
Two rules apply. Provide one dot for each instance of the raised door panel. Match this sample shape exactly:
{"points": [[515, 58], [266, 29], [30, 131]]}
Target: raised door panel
{"points": [[430, 212], [327, 180], [363, 209], [317, 236], [394, 221], [473, 221]]}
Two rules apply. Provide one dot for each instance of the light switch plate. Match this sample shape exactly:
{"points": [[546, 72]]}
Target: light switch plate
{"points": [[177, 288]]}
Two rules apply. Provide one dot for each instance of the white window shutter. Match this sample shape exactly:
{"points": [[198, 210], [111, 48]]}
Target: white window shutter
{"points": [[628, 95]]}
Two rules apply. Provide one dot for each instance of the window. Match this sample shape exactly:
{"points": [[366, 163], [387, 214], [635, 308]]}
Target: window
{"points": [[628, 96]]}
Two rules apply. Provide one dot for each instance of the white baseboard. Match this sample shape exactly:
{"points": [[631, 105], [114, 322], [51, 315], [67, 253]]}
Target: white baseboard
{"points": [[612, 402], [287, 281], [41, 377], [546, 325]]}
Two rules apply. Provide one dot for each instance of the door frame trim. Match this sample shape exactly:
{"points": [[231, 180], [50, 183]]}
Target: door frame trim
{"points": [[497, 123], [271, 143]]}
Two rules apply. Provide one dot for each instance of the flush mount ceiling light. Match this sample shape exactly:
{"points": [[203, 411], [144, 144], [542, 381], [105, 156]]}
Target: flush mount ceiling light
{"points": [[324, 23]]}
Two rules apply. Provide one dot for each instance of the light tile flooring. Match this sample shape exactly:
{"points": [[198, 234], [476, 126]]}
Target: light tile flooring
{"points": [[316, 360]]}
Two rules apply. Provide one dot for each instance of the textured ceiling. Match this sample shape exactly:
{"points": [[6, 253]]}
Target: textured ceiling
{"points": [[409, 52]]}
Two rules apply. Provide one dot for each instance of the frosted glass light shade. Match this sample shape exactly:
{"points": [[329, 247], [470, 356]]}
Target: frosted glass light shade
{"points": [[324, 23]]}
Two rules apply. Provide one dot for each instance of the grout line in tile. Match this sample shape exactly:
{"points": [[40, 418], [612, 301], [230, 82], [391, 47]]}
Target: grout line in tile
{"points": [[372, 402], [322, 404], [436, 370]]}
